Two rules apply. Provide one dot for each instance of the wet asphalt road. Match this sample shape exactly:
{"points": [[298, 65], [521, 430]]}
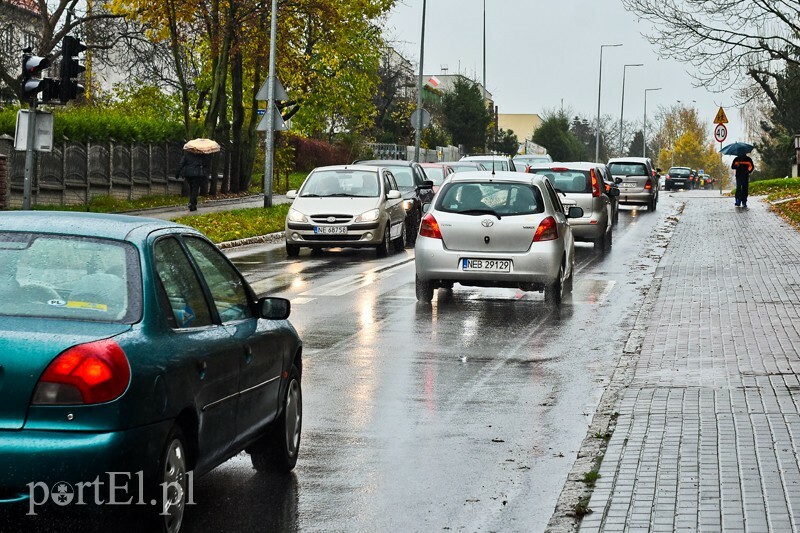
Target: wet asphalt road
{"points": [[465, 415]]}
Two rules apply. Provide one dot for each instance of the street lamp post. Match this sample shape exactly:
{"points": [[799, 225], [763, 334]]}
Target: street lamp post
{"points": [[622, 106], [419, 85], [486, 142], [599, 89], [644, 123], [672, 137]]}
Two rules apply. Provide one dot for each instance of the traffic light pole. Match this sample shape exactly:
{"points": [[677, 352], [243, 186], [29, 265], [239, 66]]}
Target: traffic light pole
{"points": [[29, 148]]}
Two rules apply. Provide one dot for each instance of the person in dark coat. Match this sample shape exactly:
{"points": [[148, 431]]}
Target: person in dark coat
{"points": [[743, 166], [195, 169]]}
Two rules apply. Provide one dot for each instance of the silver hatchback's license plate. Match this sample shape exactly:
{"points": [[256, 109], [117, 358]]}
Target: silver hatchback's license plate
{"points": [[330, 230], [486, 265], [628, 185]]}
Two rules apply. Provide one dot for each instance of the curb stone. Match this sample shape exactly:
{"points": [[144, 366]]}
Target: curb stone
{"points": [[575, 492], [269, 238]]}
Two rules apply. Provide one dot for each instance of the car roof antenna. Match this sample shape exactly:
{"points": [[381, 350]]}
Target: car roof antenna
{"points": [[492, 165]]}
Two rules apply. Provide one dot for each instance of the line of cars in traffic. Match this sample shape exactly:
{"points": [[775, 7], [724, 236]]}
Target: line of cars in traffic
{"points": [[485, 220]]}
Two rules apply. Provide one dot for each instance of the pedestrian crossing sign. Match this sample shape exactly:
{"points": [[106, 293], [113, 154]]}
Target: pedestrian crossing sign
{"points": [[721, 118]]}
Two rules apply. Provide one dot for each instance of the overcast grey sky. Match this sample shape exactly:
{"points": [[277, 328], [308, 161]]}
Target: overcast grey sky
{"points": [[539, 52]]}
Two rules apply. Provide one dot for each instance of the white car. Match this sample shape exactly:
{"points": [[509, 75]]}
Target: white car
{"points": [[492, 161], [353, 206], [501, 229]]}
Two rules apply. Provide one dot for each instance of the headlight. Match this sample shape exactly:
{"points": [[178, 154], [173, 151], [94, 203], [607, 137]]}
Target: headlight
{"points": [[408, 204], [296, 216], [369, 216]]}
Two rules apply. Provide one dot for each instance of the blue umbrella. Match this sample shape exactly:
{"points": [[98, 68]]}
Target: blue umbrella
{"points": [[737, 149]]}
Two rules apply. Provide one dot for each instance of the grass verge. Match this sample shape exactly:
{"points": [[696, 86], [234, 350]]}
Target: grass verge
{"points": [[238, 223], [775, 189]]}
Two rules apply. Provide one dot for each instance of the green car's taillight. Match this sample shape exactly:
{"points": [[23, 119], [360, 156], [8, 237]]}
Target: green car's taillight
{"points": [[90, 373]]}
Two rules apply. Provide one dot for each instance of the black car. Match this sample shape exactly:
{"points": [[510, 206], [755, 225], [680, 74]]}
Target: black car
{"points": [[415, 187], [679, 178]]}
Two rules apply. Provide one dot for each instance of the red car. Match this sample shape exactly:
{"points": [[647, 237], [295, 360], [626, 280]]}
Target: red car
{"points": [[437, 172]]}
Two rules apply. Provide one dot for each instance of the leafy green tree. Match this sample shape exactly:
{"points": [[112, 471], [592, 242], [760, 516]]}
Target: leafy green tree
{"points": [[555, 135], [776, 146], [466, 117], [637, 144], [507, 142]]}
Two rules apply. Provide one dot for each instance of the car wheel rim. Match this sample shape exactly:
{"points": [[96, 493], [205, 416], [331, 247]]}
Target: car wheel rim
{"points": [[294, 413], [173, 486]]}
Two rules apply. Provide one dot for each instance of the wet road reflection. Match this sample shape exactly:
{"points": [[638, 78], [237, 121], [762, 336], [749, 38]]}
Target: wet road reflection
{"points": [[465, 414]]}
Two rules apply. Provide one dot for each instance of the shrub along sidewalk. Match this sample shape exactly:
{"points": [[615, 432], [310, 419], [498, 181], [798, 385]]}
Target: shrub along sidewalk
{"points": [[238, 223]]}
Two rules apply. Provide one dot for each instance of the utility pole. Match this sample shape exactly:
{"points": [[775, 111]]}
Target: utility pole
{"points": [[418, 134], [269, 160], [622, 107], [644, 124], [599, 89]]}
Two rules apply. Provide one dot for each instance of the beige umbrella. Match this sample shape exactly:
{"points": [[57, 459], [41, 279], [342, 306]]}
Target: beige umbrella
{"points": [[202, 146]]}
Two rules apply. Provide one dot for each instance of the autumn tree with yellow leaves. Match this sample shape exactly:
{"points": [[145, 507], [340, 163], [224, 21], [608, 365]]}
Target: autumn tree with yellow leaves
{"points": [[218, 51]]}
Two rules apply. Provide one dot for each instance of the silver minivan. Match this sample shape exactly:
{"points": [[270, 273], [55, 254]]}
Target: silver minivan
{"points": [[354, 206], [583, 183], [636, 179]]}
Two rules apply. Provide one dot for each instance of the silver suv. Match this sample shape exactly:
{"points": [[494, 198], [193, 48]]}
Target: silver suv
{"points": [[636, 179], [349, 206], [583, 183]]}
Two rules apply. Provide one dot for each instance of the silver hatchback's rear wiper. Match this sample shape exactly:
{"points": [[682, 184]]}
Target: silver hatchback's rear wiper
{"points": [[481, 212]]}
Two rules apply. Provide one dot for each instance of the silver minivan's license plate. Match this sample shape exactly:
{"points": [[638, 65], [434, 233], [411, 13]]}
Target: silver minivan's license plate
{"points": [[628, 185], [330, 230], [486, 265]]}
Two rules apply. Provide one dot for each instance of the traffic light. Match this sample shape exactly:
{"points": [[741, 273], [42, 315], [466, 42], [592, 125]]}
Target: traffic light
{"points": [[69, 88], [32, 67]]}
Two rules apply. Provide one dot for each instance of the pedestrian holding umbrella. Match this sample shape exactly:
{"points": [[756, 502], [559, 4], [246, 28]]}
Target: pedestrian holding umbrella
{"points": [[195, 166], [743, 166]]}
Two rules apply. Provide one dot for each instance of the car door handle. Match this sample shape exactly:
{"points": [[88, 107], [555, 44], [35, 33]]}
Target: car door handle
{"points": [[248, 354]]}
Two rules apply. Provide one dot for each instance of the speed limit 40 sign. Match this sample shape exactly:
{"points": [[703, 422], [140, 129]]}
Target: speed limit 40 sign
{"points": [[720, 133]]}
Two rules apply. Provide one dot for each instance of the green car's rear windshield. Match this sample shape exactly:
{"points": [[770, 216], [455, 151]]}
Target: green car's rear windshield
{"points": [[58, 276]]}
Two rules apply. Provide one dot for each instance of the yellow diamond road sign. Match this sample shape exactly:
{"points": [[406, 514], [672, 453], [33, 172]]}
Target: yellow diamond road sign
{"points": [[721, 118]]}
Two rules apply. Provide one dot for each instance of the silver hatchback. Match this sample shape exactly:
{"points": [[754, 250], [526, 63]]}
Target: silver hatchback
{"points": [[583, 182], [501, 229]]}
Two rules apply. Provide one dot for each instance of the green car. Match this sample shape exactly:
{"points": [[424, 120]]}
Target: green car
{"points": [[132, 351]]}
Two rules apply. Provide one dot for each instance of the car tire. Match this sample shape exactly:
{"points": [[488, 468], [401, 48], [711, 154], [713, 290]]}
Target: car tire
{"points": [[171, 483], [385, 247], [292, 250], [609, 241], [554, 292], [412, 229], [600, 241], [568, 283], [652, 204], [424, 289], [400, 242], [277, 451]]}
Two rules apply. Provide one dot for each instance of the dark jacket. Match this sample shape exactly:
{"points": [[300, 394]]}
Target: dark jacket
{"points": [[743, 166], [193, 165]]}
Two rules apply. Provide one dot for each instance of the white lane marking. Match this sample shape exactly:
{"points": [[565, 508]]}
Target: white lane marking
{"points": [[347, 285], [301, 301], [265, 285]]}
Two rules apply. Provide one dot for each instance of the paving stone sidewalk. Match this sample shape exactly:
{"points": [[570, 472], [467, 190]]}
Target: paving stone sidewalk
{"points": [[708, 432]]}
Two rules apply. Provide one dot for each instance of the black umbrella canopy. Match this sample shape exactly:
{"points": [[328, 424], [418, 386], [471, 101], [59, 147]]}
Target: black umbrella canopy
{"points": [[737, 148]]}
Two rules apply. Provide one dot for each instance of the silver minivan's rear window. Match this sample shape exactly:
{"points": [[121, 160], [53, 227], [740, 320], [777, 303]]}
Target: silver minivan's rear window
{"points": [[565, 180], [60, 276], [628, 169]]}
